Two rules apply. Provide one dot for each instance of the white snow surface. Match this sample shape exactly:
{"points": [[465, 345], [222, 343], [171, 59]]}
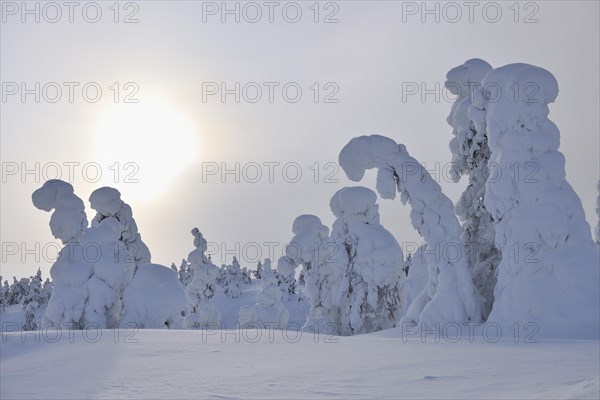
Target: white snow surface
{"points": [[182, 364]]}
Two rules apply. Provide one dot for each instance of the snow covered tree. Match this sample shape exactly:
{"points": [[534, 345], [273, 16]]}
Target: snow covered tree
{"points": [[230, 277], [269, 311], [185, 273], [92, 269], [417, 276], [470, 155], [154, 299], [6, 290], [18, 290], [3, 294], [310, 248], [371, 259], [47, 290], [202, 313], [107, 203], [597, 231], [35, 294], [549, 274], [258, 271], [450, 295], [246, 276], [302, 278], [30, 323]]}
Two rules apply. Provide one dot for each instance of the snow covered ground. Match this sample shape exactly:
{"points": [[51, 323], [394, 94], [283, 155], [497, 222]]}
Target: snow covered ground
{"points": [[262, 364]]}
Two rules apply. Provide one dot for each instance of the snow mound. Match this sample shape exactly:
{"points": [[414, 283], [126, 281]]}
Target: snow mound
{"points": [[154, 299]]}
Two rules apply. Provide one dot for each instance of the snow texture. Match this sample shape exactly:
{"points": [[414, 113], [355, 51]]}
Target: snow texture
{"points": [[371, 261], [449, 295], [154, 299], [549, 273], [179, 364], [470, 155]]}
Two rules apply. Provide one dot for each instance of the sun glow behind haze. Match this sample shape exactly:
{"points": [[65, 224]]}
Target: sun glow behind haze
{"points": [[144, 146]]}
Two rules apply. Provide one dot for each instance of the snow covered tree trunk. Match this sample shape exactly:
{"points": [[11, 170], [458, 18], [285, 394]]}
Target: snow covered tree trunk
{"points": [[470, 155], [450, 295], [548, 278]]}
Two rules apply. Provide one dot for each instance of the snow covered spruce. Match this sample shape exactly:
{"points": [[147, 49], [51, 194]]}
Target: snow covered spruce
{"points": [[371, 261], [268, 312], [449, 295], [202, 313], [549, 273], [470, 155], [311, 248]]}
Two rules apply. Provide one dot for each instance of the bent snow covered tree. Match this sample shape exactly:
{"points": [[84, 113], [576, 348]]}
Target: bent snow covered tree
{"points": [[449, 295]]}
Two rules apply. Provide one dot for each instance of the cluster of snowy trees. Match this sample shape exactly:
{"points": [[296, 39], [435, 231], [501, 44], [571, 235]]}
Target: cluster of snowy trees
{"points": [[526, 253], [514, 249], [32, 294]]}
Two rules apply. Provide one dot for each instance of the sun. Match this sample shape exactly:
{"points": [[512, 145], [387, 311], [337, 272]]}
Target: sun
{"points": [[142, 147]]}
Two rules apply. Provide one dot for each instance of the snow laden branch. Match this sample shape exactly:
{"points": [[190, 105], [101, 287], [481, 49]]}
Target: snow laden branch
{"points": [[449, 295], [549, 273]]}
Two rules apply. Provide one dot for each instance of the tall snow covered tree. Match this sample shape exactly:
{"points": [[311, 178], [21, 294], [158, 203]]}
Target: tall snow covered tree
{"points": [[371, 259], [93, 268], [35, 294], [202, 313], [310, 247], [470, 155], [450, 295], [107, 203], [305, 249], [549, 273], [268, 312]]}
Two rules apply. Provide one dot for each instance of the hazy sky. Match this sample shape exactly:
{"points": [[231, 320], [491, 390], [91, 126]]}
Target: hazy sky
{"points": [[177, 139]]}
